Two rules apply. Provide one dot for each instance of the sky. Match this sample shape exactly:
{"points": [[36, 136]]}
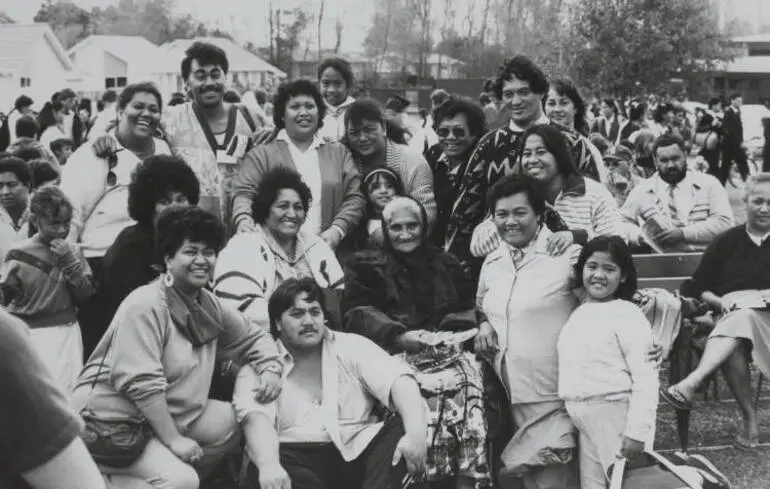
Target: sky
{"points": [[247, 19]]}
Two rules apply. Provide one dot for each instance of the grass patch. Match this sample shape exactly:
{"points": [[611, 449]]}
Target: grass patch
{"points": [[746, 470]]}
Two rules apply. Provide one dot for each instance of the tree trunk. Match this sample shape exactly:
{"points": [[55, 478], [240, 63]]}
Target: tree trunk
{"points": [[338, 33], [320, 20]]}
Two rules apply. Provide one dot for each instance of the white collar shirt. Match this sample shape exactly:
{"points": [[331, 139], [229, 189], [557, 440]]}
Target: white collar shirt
{"points": [[309, 167]]}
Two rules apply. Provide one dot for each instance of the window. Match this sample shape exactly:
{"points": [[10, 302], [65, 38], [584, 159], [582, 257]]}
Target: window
{"points": [[719, 83], [732, 84], [112, 82], [109, 83], [25, 82], [122, 81]]}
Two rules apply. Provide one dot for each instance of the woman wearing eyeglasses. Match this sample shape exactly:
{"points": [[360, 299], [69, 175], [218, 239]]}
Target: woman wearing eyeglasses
{"points": [[459, 124], [378, 143], [98, 187]]}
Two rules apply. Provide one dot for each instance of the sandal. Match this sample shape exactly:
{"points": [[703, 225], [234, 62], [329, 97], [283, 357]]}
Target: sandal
{"points": [[702, 463], [674, 397], [743, 443]]}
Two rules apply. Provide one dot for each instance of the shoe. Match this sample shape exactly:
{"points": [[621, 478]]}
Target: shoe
{"points": [[675, 398]]}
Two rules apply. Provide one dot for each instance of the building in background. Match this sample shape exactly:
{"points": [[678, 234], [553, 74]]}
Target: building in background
{"points": [[749, 73], [34, 63]]}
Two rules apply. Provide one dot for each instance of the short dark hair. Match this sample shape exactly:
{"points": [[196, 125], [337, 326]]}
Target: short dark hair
{"points": [[271, 184], [59, 144], [42, 172], [85, 104], [439, 96], [638, 110], [179, 224], [370, 110], [735, 95], [339, 65], [294, 88], [523, 68], [283, 297], [484, 99], [21, 102], [49, 202], [397, 103], [556, 144], [109, 96], [177, 98], [66, 94], [260, 96], [27, 127], [714, 101], [29, 152], [564, 86], [512, 185], [206, 54], [666, 140], [143, 87], [490, 85], [620, 254], [155, 178], [474, 114], [17, 166], [661, 111], [231, 97]]}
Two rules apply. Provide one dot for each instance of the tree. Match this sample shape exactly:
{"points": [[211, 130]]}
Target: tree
{"points": [[68, 22], [635, 46], [286, 27], [5, 18]]}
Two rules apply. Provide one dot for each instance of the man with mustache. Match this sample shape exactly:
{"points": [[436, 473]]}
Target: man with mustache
{"points": [[677, 210], [326, 428]]}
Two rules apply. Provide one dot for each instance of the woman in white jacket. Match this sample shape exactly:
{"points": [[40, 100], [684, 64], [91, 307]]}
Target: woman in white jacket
{"points": [[253, 265]]}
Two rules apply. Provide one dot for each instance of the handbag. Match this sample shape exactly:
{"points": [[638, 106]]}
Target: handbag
{"points": [[658, 472], [113, 443]]}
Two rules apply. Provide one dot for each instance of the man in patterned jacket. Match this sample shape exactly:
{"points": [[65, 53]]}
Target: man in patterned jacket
{"points": [[522, 86]]}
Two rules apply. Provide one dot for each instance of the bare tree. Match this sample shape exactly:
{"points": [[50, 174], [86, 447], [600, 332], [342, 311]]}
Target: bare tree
{"points": [[338, 34], [320, 21]]}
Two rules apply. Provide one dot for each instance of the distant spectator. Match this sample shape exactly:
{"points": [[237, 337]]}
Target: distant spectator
{"points": [[335, 79], [62, 149], [177, 98], [85, 115], [232, 97], [27, 127], [52, 123], [108, 116], [72, 126], [15, 184], [600, 142], [21, 107], [43, 173], [438, 98], [27, 152]]}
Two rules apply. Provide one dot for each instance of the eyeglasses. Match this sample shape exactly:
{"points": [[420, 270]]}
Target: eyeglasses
{"points": [[458, 132], [112, 162]]}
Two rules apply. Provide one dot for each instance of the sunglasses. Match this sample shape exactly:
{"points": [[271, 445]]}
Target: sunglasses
{"points": [[112, 162], [458, 132]]}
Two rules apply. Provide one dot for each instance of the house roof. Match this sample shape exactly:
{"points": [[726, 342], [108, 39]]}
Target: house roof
{"points": [[434, 58], [756, 38], [130, 49], [748, 64], [17, 42], [240, 59]]}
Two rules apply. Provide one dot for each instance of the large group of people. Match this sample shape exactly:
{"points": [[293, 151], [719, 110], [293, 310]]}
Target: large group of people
{"points": [[351, 306]]}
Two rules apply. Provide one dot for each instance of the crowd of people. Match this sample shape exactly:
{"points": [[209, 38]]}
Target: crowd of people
{"points": [[353, 301]]}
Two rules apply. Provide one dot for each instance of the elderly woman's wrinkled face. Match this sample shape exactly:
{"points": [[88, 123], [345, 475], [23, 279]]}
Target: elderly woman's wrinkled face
{"points": [[367, 138], [192, 265], [404, 230], [454, 135], [516, 220], [287, 214], [302, 326], [301, 117], [560, 109], [537, 161], [170, 199], [142, 115]]}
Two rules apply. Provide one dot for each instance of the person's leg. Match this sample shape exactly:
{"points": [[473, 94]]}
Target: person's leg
{"points": [[718, 350], [312, 466], [217, 432], [591, 472], [158, 467], [738, 377], [727, 163], [376, 461], [741, 160]]}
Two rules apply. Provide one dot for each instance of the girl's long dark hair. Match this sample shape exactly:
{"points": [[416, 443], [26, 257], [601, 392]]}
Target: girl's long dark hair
{"points": [[620, 254]]}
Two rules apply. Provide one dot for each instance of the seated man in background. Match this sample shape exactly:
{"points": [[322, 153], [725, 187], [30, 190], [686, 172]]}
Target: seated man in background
{"points": [[676, 210], [323, 431]]}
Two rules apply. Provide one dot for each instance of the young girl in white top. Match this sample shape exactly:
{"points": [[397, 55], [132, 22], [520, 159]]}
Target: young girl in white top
{"points": [[606, 379]]}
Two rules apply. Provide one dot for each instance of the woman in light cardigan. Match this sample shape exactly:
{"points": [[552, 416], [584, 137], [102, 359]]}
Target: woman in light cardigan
{"points": [[326, 167], [98, 187], [378, 143], [278, 250]]}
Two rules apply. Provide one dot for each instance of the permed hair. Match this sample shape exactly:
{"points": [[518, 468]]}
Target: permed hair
{"points": [[154, 179], [620, 254], [665, 140], [295, 88], [21, 102], [179, 224], [516, 184], [283, 297], [205, 54], [523, 68], [271, 185], [43, 172], [49, 202]]}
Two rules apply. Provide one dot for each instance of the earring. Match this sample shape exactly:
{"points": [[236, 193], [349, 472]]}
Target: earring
{"points": [[168, 279]]}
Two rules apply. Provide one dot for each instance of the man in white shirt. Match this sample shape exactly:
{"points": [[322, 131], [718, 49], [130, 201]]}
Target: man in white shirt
{"points": [[108, 116], [675, 209], [326, 430]]}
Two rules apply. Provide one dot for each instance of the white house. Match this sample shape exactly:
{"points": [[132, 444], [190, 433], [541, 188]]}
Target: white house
{"points": [[113, 62], [246, 69], [34, 63]]}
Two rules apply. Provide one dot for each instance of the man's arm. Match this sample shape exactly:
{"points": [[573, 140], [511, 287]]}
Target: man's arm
{"points": [[71, 468], [720, 217], [406, 398]]}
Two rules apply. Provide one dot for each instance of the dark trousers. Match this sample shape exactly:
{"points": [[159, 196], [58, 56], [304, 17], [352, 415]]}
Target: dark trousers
{"points": [[320, 466], [733, 153], [91, 318], [712, 158]]}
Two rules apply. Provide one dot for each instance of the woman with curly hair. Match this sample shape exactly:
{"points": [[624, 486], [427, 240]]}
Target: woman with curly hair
{"points": [[327, 167], [161, 181], [279, 249]]}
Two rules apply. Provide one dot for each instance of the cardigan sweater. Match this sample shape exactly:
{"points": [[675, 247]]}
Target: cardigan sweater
{"points": [[342, 203]]}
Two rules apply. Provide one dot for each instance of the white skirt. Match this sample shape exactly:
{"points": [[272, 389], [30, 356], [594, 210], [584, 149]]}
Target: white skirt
{"points": [[61, 349]]}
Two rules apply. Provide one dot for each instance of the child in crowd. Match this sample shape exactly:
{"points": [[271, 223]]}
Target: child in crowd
{"points": [[606, 378], [43, 174], [43, 279], [62, 149], [380, 187]]}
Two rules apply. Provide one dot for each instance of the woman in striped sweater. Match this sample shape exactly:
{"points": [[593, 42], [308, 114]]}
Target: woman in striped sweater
{"points": [[586, 206]]}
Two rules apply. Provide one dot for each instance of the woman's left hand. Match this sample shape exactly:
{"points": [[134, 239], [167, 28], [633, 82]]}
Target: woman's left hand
{"points": [[655, 354], [559, 242], [269, 387]]}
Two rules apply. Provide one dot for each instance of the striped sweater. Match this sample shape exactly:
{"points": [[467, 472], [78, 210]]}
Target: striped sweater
{"points": [[584, 206]]}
